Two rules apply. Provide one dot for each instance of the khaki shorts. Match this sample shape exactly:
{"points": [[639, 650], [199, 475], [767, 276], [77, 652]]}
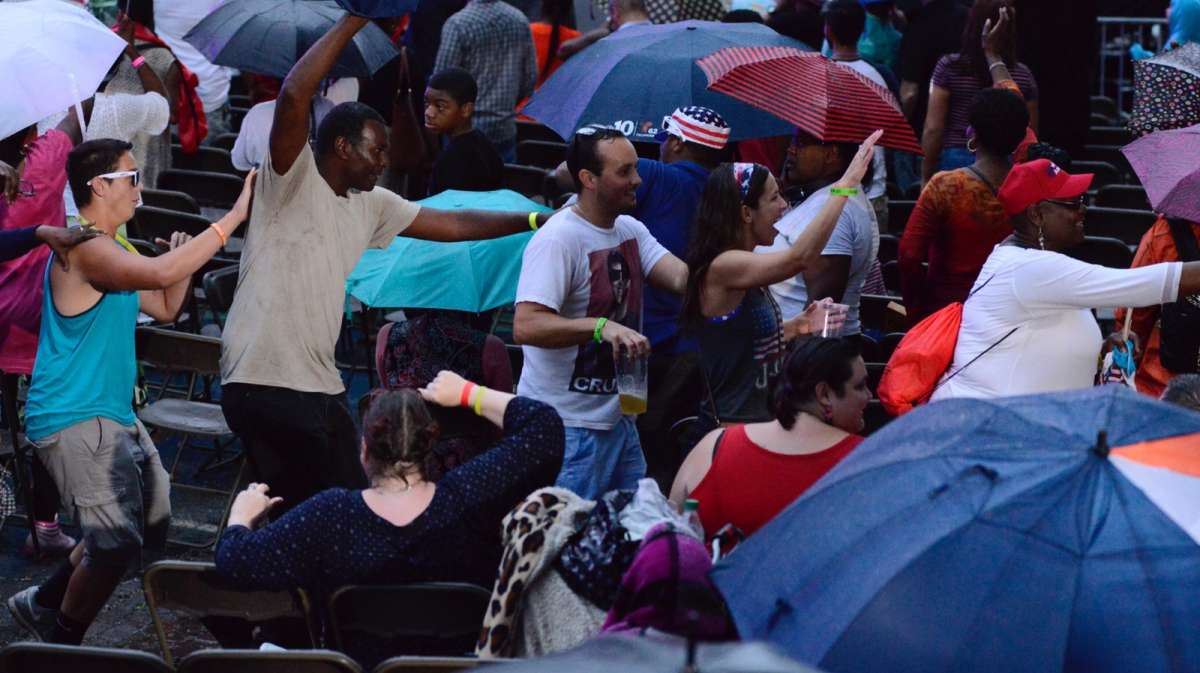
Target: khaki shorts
{"points": [[110, 475]]}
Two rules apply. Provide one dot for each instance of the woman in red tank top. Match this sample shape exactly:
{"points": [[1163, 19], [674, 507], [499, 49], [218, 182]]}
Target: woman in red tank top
{"points": [[746, 474]]}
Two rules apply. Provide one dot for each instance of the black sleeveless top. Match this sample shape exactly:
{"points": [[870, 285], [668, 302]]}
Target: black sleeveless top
{"points": [[740, 355]]}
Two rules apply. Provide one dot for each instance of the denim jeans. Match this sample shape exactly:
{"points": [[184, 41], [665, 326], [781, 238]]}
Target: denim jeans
{"points": [[598, 461]]}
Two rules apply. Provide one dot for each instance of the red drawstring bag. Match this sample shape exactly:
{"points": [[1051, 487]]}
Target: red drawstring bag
{"points": [[922, 358], [918, 363]]}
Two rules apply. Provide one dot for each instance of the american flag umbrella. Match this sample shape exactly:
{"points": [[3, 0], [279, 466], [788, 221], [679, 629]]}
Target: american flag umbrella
{"points": [[823, 98]]}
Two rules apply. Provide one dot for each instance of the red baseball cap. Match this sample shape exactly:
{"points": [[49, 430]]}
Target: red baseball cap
{"points": [[1036, 181]]}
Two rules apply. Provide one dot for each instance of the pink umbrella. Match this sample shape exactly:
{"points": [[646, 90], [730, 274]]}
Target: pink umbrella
{"points": [[1168, 164]]}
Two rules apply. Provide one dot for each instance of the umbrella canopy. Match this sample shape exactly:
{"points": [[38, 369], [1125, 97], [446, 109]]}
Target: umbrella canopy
{"points": [[1166, 91], [988, 536], [472, 276], [828, 100], [1168, 165], [657, 654], [268, 37], [55, 55], [379, 9], [638, 76]]}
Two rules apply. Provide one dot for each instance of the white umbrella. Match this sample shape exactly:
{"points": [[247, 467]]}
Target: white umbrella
{"points": [[53, 55]]}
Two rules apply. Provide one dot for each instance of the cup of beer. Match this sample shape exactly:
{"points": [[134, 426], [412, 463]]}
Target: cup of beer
{"points": [[632, 383]]}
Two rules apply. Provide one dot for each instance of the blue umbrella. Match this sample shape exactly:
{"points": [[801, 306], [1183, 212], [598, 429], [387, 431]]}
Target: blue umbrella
{"points": [[267, 37], [379, 9], [989, 536], [637, 76], [471, 276]]}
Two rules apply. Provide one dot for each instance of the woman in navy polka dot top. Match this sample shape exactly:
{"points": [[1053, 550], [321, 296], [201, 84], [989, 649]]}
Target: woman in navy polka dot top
{"points": [[403, 528]]}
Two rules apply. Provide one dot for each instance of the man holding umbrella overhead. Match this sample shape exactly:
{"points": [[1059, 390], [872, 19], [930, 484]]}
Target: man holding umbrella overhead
{"points": [[315, 212]]}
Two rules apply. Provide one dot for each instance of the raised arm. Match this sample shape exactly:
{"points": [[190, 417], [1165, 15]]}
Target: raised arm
{"points": [[289, 131], [149, 78], [108, 268], [933, 138], [432, 224], [528, 456], [738, 270]]}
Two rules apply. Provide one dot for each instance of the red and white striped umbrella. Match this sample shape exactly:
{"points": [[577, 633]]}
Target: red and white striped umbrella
{"points": [[825, 99]]}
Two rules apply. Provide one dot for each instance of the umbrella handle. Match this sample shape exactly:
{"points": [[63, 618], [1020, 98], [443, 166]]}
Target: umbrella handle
{"points": [[1128, 319], [78, 104]]}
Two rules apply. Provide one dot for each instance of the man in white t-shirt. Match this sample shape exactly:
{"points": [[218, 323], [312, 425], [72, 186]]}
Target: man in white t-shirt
{"points": [[172, 20], [579, 298], [845, 21], [813, 166]]}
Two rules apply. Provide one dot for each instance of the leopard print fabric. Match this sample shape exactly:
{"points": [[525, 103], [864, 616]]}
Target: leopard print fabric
{"points": [[525, 534]]}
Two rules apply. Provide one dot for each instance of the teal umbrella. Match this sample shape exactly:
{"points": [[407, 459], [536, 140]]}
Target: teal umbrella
{"points": [[472, 276]]}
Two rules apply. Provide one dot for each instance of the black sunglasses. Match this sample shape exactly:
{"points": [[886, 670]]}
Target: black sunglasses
{"points": [[1074, 204]]}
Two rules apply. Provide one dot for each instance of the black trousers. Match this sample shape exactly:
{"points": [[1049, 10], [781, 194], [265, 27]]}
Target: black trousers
{"points": [[299, 443]]}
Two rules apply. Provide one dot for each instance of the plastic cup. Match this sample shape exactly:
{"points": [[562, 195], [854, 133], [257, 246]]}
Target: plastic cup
{"points": [[632, 383]]}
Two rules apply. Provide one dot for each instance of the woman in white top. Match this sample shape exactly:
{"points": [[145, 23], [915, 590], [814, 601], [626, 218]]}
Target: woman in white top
{"points": [[1032, 305]]}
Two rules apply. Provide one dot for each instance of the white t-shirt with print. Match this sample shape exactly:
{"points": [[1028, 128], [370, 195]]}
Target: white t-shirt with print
{"points": [[581, 270], [856, 235]]}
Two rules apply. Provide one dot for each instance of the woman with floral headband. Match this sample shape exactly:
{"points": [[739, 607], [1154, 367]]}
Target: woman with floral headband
{"points": [[727, 304]]}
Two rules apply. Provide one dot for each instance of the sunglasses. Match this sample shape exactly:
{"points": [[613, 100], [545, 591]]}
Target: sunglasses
{"points": [[600, 132], [135, 177], [1074, 204]]}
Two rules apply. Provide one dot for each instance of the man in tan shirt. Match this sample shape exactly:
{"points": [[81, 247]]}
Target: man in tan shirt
{"points": [[315, 212]]}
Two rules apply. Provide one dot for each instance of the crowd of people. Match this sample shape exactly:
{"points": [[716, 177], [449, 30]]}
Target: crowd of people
{"points": [[733, 270]]}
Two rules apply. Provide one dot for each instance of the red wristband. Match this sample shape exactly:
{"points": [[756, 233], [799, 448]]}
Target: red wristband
{"points": [[465, 399]]}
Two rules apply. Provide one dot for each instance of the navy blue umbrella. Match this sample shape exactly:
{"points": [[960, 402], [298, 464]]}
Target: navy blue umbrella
{"points": [[379, 9], [636, 77], [990, 536], [267, 37]]}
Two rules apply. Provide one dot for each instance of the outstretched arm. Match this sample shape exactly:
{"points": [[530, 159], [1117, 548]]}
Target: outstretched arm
{"points": [[432, 224], [289, 131]]}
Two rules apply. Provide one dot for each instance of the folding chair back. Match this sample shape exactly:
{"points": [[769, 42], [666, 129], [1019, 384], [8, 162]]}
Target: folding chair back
{"points": [[1123, 224], [891, 276], [889, 248], [179, 352], [1123, 196], [433, 664], [874, 374], [1110, 154], [236, 115], [225, 141], [1110, 252], [149, 223], [210, 189], [42, 657], [529, 130], [875, 416], [170, 200], [1109, 135], [197, 591], [258, 661], [219, 287], [876, 313], [541, 153], [445, 615], [898, 214], [888, 346], [527, 180], [1105, 173], [212, 159]]}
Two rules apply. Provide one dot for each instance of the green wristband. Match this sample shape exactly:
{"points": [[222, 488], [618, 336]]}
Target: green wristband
{"points": [[599, 328], [844, 191]]}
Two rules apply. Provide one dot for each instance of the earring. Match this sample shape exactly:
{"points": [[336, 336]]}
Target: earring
{"points": [[970, 147], [827, 413], [1041, 239]]}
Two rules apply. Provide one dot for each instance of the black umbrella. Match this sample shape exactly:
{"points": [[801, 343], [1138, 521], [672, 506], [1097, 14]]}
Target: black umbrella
{"points": [[267, 37]]}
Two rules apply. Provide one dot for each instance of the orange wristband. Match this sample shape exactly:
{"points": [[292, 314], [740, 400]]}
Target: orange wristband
{"points": [[224, 237]]}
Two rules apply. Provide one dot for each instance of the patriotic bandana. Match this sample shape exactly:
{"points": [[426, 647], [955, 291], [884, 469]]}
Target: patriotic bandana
{"points": [[742, 174], [696, 124]]}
